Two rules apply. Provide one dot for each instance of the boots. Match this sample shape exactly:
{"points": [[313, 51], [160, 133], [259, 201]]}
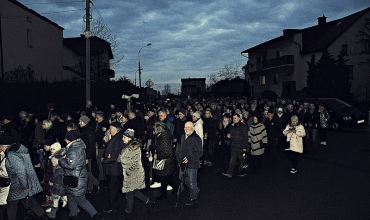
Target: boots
{"points": [[53, 213], [48, 202]]}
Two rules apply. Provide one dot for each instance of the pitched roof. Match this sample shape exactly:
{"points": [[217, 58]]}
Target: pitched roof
{"points": [[35, 13], [317, 37], [98, 46]]}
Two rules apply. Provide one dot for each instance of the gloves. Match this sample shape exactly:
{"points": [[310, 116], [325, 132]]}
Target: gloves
{"points": [[54, 161]]}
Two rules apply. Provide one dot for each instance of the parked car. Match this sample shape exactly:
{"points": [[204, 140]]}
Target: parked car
{"points": [[341, 113]]}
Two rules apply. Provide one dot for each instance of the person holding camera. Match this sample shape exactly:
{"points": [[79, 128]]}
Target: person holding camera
{"points": [[294, 133]]}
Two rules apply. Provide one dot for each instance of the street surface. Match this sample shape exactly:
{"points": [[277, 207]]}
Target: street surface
{"points": [[332, 182]]}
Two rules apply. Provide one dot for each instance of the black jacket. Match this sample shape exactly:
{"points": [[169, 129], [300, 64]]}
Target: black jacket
{"points": [[88, 137]]}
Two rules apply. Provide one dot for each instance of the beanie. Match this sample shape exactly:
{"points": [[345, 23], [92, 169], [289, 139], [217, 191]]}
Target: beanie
{"points": [[183, 111], [56, 146], [196, 114], [85, 119], [72, 135], [129, 133]]}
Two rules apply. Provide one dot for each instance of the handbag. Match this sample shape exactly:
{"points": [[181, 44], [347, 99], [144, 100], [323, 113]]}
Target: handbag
{"points": [[70, 181], [4, 182], [159, 164]]}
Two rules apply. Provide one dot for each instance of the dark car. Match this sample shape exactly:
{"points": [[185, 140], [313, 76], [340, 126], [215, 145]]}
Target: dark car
{"points": [[341, 113]]}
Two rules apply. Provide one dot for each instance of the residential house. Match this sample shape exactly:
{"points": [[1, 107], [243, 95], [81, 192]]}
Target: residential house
{"points": [[29, 40], [74, 60], [229, 88], [280, 64], [192, 87]]}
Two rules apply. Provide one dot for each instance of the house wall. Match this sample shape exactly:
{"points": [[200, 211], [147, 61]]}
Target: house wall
{"points": [[29, 40]]}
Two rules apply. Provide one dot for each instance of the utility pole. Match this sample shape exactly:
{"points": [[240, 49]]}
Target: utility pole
{"points": [[87, 34]]}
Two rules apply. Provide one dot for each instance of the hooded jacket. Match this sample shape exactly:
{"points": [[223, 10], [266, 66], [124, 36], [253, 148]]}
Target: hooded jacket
{"points": [[74, 164]]}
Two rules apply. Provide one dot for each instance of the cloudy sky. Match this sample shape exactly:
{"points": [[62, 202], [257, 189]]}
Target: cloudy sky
{"points": [[190, 38]]}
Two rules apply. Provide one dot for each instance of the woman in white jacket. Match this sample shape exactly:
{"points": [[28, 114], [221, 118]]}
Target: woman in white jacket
{"points": [[294, 133], [4, 190]]}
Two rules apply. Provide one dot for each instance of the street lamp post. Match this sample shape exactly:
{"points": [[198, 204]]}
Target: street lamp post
{"points": [[138, 55]]}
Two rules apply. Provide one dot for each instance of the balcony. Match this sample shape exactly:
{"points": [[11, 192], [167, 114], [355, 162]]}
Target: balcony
{"points": [[278, 62]]}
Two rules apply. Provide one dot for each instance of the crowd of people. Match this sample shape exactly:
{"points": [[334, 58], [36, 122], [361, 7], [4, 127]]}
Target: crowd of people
{"points": [[143, 148]]}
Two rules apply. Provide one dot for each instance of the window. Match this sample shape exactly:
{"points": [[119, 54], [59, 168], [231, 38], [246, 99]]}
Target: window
{"points": [[263, 80], [344, 49], [29, 19], [29, 38], [278, 53], [276, 78]]}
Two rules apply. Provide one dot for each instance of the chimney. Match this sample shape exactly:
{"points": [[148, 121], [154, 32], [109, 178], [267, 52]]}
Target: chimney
{"points": [[321, 20]]}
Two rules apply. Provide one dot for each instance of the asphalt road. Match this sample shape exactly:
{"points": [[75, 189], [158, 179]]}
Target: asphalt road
{"points": [[332, 182]]}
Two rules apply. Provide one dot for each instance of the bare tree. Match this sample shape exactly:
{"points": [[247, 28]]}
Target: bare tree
{"points": [[167, 89], [229, 71], [100, 29]]}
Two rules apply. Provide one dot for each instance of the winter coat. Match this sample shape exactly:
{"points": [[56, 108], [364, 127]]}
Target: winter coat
{"points": [[210, 128], [169, 125], [21, 173], [295, 139], [58, 172], [192, 149], [273, 129], [39, 135], [12, 130], [239, 136], [88, 137], [257, 137], [312, 118], [137, 125], [74, 164], [4, 191], [99, 133], [179, 129], [163, 149], [133, 171], [198, 128], [114, 148]]}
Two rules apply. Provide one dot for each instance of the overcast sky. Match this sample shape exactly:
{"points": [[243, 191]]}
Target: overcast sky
{"points": [[190, 38]]}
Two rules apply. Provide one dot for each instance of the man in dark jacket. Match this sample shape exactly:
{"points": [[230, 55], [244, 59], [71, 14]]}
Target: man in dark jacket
{"points": [[239, 144], [311, 123], [209, 129], [102, 126], [190, 153], [10, 129], [274, 132], [113, 169], [179, 131], [88, 137]]}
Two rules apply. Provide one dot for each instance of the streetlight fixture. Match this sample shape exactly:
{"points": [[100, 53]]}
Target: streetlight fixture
{"points": [[138, 55]]}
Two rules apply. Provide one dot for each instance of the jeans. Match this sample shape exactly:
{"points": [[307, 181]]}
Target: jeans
{"points": [[75, 201], [91, 179], [191, 181], [130, 199]]}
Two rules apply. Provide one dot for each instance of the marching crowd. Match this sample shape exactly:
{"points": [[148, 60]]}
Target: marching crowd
{"points": [[143, 148]]}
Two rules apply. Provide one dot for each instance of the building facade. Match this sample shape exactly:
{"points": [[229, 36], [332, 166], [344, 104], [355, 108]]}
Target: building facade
{"points": [[30, 40], [192, 87], [280, 64]]}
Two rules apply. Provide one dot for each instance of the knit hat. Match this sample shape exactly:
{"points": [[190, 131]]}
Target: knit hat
{"points": [[271, 110], [196, 114], [116, 125], [64, 117], [48, 142], [183, 111], [129, 133], [6, 140], [56, 146], [85, 119], [72, 135]]}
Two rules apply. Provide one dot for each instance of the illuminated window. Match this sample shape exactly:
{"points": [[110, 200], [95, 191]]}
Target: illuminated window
{"points": [[263, 80]]}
